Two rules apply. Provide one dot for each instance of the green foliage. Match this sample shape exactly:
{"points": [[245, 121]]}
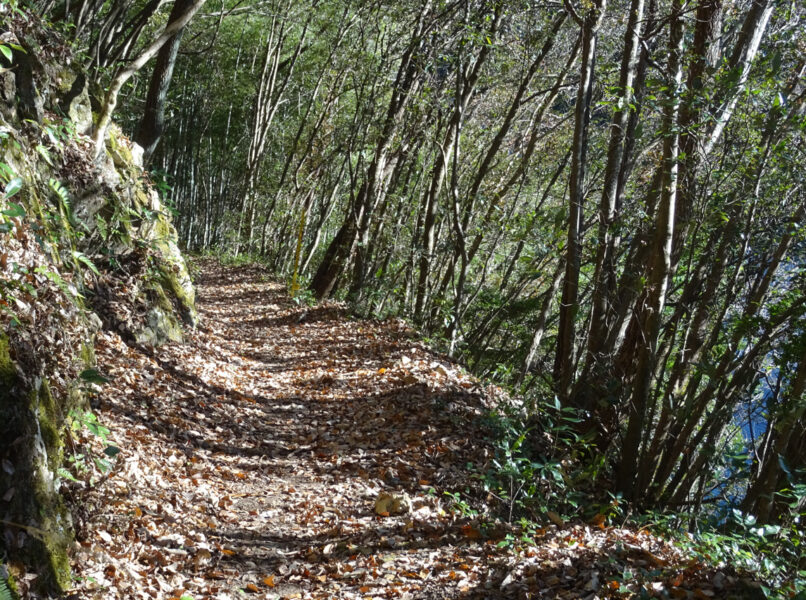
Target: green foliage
{"points": [[536, 467], [60, 191], [12, 187], [160, 181], [14, 211], [68, 290], [5, 592], [7, 48], [12, 184], [770, 553], [83, 461], [304, 297], [528, 532], [82, 258], [238, 260], [460, 505], [746, 545], [93, 376]]}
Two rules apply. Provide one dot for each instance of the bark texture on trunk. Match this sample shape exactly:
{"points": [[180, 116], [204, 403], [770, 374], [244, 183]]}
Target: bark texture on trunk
{"points": [[152, 125]]}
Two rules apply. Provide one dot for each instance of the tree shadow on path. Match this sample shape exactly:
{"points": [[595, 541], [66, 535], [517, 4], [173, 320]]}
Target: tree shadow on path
{"points": [[254, 452]]}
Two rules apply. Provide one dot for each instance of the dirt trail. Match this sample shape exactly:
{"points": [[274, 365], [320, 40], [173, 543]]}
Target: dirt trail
{"points": [[252, 457]]}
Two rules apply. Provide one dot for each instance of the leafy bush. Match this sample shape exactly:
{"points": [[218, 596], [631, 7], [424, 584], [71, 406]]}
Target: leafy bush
{"points": [[770, 553], [536, 466]]}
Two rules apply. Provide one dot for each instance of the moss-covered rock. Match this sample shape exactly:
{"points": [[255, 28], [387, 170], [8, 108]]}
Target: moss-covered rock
{"points": [[161, 323], [8, 374], [133, 216], [50, 544], [38, 527], [77, 210]]}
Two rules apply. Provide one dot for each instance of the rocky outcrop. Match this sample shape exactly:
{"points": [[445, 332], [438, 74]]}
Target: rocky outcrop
{"points": [[84, 244], [145, 291]]}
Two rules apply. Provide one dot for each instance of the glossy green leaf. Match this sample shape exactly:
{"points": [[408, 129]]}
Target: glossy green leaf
{"points": [[14, 211], [12, 187], [93, 376]]}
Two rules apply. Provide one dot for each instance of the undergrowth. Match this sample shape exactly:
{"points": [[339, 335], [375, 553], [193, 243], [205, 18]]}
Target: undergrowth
{"points": [[5, 590], [772, 553], [85, 463], [545, 471], [537, 472]]}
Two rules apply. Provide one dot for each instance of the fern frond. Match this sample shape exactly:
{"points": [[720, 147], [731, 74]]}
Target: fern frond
{"points": [[60, 191], [5, 591]]}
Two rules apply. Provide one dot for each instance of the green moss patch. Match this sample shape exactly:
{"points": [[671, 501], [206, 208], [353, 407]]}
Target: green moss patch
{"points": [[8, 374], [31, 430]]}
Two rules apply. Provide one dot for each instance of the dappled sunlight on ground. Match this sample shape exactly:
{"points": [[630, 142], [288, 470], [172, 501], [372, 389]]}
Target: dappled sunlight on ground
{"points": [[252, 455]]}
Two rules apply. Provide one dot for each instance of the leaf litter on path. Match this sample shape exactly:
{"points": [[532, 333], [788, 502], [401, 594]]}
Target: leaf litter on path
{"points": [[253, 458]]}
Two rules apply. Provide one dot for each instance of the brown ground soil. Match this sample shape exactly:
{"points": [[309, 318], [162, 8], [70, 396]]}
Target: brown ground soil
{"points": [[253, 454]]}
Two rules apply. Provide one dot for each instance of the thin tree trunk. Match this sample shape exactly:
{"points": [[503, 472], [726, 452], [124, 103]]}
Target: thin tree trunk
{"points": [[660, 269], [111, 97], [604, 278], [760, 496], [152, 124], [343, 246], [540, 328], [564, 358]]}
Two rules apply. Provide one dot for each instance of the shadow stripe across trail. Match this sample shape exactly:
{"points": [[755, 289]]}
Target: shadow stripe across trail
{"points": [[252, 456]]}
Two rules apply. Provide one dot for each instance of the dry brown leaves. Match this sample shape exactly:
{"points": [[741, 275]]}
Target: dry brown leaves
{"points": [[39, 309], [253, 455]]}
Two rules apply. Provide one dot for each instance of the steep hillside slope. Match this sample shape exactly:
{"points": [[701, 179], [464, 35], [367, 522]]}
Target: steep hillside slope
{"points": [[85, 244]]}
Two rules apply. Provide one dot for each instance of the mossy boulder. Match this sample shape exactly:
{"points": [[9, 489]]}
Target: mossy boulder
{"points": [[78, 211], [37, 526], [130, 220]]}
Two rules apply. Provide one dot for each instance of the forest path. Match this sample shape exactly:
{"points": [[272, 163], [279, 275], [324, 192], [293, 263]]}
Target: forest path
{"points": [[253, 454], [252, 457]]}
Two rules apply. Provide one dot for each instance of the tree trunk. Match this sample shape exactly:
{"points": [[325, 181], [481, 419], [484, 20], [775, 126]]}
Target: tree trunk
{"points": [[604, 278], [564, 358], [653, 300], [111, 98], [152, 124], [760, 496], [343, 245]]}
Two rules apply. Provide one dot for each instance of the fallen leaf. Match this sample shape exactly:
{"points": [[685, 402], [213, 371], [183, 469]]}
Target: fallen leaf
{"points": [[471, 532], [598, 521]]}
